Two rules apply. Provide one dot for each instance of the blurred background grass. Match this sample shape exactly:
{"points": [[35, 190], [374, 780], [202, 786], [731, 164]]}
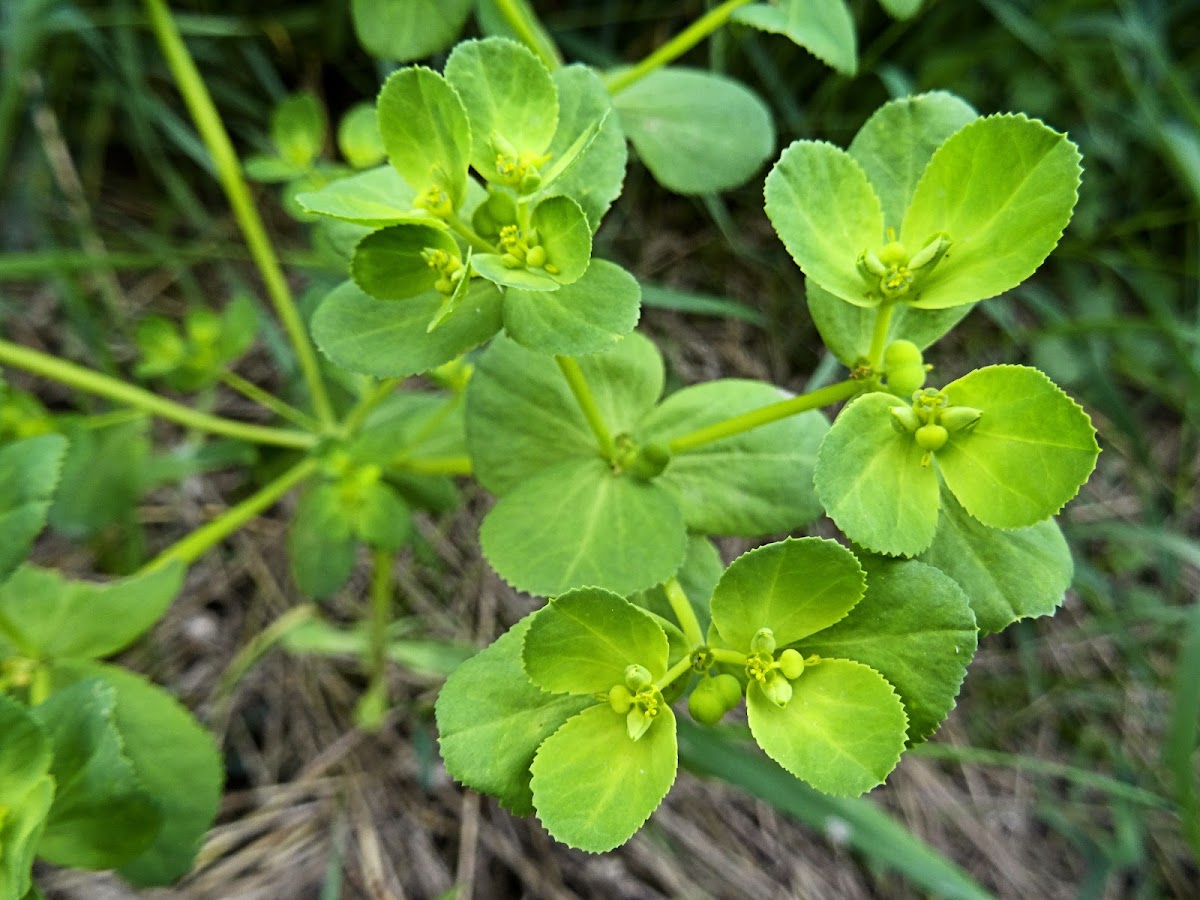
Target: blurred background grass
{"points": [[108, 206]]}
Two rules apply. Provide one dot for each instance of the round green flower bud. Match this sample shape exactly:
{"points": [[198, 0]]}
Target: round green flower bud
{"points": [[637, 677], [901, 352], [536, 257], [791, 664], [932, 437], [763, 641], [620, 699], [706, 704], [729, 689], [893, 253]]}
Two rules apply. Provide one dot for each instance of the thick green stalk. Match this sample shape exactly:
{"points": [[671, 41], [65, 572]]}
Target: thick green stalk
{"points": [[733, 657], [883, 321], [684, 614], [587, 404], [675, 47], [229, 172], [680, 667], [204, 538], [765, 415], [93, 382], [378, 625], [525, 25], [267, 400]]}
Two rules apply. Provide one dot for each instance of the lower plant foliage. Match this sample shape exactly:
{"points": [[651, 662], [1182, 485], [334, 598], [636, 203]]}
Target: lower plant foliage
{"points": [[462, 226]]}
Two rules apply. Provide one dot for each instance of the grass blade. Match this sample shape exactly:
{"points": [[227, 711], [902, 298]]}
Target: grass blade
{"points": [[869, 830]]}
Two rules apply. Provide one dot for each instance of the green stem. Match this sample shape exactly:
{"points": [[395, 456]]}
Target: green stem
{"points": [[92, 382], [733, 657], [379, 623], [682, 607], [366, 405], [434, 465], [883, 321], [765, 415], [229, 172], [675, 47], [470, 235], [683, 665], [523, 21], [204, 538], [267, 400], [587, 404]]}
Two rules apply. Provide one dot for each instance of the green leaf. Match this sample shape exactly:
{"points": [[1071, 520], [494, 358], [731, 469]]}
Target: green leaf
{"points": [[270, 169], [523, 419], [826, 213], [26, 792], [358, 137], [413, 425], [433, 658], [698, 576], [101, 477], [1003, 188], [594, 178], [753, 483], [46, 615], [298, 129], [696, 132], [239, 327], [509, 97], [893, 147], [871, 481], [405, 30], [101, 817], [825, 28], [842, 732], [426, 132], [593, 787], [795, 587], [1007, 575], [1029, 453], [376, 197], [390, 340], [491, 720], [27, 751], [591, 315], [578, 524], [29, 472], [173, 757], [916, 629], [382, 519], [321, 546], [388, 263], [565, 236], [583, 641]]}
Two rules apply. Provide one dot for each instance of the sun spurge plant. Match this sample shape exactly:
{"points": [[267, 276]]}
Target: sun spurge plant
{"points": [[464, 216]]}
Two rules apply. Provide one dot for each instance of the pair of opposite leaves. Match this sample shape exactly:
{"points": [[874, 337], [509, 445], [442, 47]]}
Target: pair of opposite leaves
{"points": [[494, 92], [528, 720], [1001, 189]]}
